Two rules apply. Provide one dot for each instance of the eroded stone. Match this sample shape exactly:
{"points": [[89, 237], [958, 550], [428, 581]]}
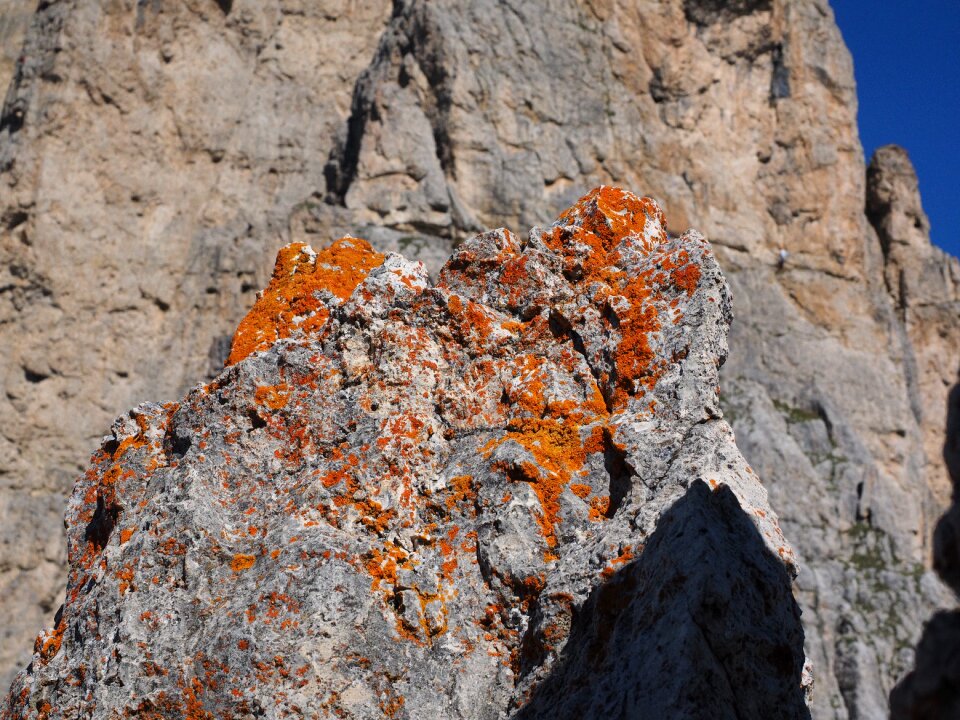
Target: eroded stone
{"points": [[407, 499]]}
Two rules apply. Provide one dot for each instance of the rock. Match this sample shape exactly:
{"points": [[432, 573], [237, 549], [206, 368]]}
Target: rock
{"points": [[506, 494], [932, 690], [14, 17], [198, 128], [128, 261], [924, 284]]}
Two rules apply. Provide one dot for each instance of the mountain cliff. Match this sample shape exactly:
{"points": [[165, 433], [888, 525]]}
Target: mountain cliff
{"points": [[153, 157], [14, 18]]}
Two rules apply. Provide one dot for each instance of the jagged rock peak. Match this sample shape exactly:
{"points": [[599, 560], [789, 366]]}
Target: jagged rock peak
{"points": [[507, 494]]}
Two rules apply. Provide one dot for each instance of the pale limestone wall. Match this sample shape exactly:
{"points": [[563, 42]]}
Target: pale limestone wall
{"points": [[14, 18]]}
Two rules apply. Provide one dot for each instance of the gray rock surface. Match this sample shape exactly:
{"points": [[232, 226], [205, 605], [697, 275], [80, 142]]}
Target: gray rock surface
{"points": [[924, 283], [932, 689], [150, 155], [154, 156], [509, 494], [14, 17]]}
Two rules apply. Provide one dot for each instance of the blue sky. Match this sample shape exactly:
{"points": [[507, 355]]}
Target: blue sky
{"points": [[906, 54]]}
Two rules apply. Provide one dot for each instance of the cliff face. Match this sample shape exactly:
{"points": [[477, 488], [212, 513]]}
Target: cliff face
{"points": [[932, 689], [14, 17], [509, 494], [154, 155]]}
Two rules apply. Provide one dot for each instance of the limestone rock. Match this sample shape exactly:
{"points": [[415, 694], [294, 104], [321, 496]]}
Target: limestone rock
{"points": [[932, 690], [14, 17], [150, 155], [506, 494], [203, 135], [924, 283]]}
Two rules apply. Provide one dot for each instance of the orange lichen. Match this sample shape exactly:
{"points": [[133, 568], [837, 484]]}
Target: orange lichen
{"points": [[558, 451], [192, 694], [461, 492], [48, 642], [274, 397], [625, 556], [611, 214], [391, 704], [242, 562], [581, 491], [290, 301], [382, 566], [591, 237], [687, 278], [125, 576]]}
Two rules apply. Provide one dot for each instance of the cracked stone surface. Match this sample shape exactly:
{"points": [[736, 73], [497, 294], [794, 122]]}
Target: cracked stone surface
{"points": [[932, 689], [509, 493], [14, 17], [154, 156]]}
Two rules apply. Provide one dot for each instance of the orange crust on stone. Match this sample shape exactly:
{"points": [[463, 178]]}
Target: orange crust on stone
{"points": [[290, 301]]}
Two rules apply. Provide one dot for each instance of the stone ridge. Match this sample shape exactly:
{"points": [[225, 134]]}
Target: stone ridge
{"points": [[511, 493]]}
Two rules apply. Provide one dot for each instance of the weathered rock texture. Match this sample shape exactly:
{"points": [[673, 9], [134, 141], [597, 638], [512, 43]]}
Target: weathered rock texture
{"points": [[155, 153], [14, 17], [150, 153], [932, 690], [506, 495], [924, 283]]}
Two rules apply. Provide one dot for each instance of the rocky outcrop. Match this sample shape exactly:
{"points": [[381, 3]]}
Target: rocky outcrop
{"points": [[131, 257], [924, 284], [508, 494], [932, 690]]}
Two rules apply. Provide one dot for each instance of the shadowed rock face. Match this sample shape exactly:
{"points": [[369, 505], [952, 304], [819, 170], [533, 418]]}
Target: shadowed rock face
{"points": [[657, 640], [932, 690], [509, 493], [154, 156]]}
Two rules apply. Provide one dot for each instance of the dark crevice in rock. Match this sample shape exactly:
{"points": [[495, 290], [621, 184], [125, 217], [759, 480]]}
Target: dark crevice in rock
{"points": [[707, 12], [12, 119], [341, 167], [780, 78], [178, 440], [33, 377], [619, 471], [102, 524], [15, 218], [256, 422]]}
